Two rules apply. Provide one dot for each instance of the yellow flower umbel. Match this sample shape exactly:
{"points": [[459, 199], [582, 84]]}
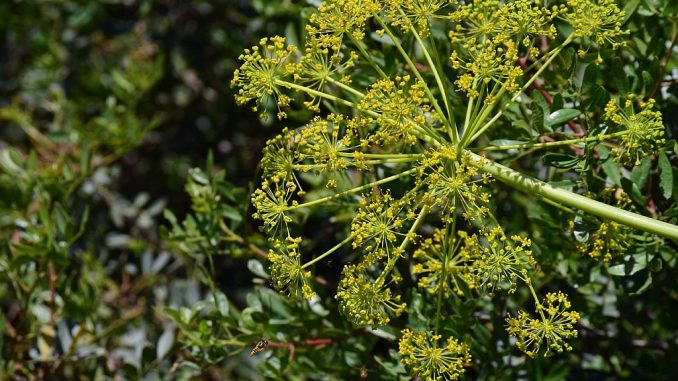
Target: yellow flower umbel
{"points": [[499, 261], [554, 325], [644, 130], [416, 14], [487, 64], [401, 106], [262, 68], [338, 18], [451, 183], [597, 20], [271, 202], [378, 225], [431, 360], [440, 264], [286, 272], [366, 302]]}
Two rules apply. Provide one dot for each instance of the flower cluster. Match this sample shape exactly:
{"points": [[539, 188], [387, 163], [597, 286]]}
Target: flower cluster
{"points": [[408, 14], [263, 72], [499, 261], [644, 130], [441, 264], [432, 360], [485, 64], [450, 182], [286, 271], [337, 18], [400, 106], [378, 225], [364, 301], [598, 20], [554, 325]]}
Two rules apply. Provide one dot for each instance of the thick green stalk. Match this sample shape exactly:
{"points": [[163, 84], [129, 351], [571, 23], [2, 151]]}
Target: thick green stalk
{"points": [[573, 200], [552, 144]]}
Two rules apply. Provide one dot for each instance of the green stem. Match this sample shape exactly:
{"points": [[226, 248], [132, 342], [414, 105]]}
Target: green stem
{"points": [[403, 245], [328, 252], [369, 162], [353, 190], [452, 131], [552, 144], [317, 93], [346, 87], [562, 196], [369, 59], [413, 67], [383, 155]]}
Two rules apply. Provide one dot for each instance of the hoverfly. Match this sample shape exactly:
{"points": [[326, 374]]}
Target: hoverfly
{"points": [[260, 346]]}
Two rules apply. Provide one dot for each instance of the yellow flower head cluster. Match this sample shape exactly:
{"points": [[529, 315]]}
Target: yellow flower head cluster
{"points": [[378, 225], [441, 264], [551, 328], [271, 202], [432, 360], [262, 69], [644, 130], [401, 106], [286, 272], [417, 14], [364, 301], [499, 261], [485, 64], [598, 20], [337, 18], [451, 182], [606, 242]]}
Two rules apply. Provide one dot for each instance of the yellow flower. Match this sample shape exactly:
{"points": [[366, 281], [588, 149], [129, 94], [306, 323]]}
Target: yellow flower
{"points": [[286, 272], [431, 360], [401, 106], [262, 69], [554, 325], [644, 130], [598, 20], [365, 302]]}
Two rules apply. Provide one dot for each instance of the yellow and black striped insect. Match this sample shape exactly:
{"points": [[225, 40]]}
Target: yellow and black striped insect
{"points": [[260, 346]]}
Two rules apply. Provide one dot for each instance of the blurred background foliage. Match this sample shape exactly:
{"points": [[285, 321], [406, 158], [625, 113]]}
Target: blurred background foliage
{"points": [[121, 259]]}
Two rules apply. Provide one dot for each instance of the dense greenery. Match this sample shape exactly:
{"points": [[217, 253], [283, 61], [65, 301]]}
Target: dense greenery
{"points": [[434, 189]]}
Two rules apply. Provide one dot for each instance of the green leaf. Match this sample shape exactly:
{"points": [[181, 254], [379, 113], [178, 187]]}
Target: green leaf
{"points": [[561, 116], [165, 343], [665, 175], [630, 8], [640, 172], [560, 160]]}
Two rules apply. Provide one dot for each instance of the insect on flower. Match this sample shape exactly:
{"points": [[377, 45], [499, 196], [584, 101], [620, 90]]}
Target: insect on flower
{"points": [[260, 346]]}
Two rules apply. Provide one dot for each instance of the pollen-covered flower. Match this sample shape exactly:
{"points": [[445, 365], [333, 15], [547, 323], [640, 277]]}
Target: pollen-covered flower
{"points": [[337, 18], [401, 106], [475, 22], [326, 143], [432, 360], [440, 264], [364, 301], [485, 64], [554, 324], [644, 130], [286, 272], [416, 14], [523, 20], [262, 70], [272, 201], [379, 224], [452, 183], [499, 261], [598, 20]]}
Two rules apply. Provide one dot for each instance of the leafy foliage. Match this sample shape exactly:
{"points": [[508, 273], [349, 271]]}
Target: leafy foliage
{"points": [[425, 190]]}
